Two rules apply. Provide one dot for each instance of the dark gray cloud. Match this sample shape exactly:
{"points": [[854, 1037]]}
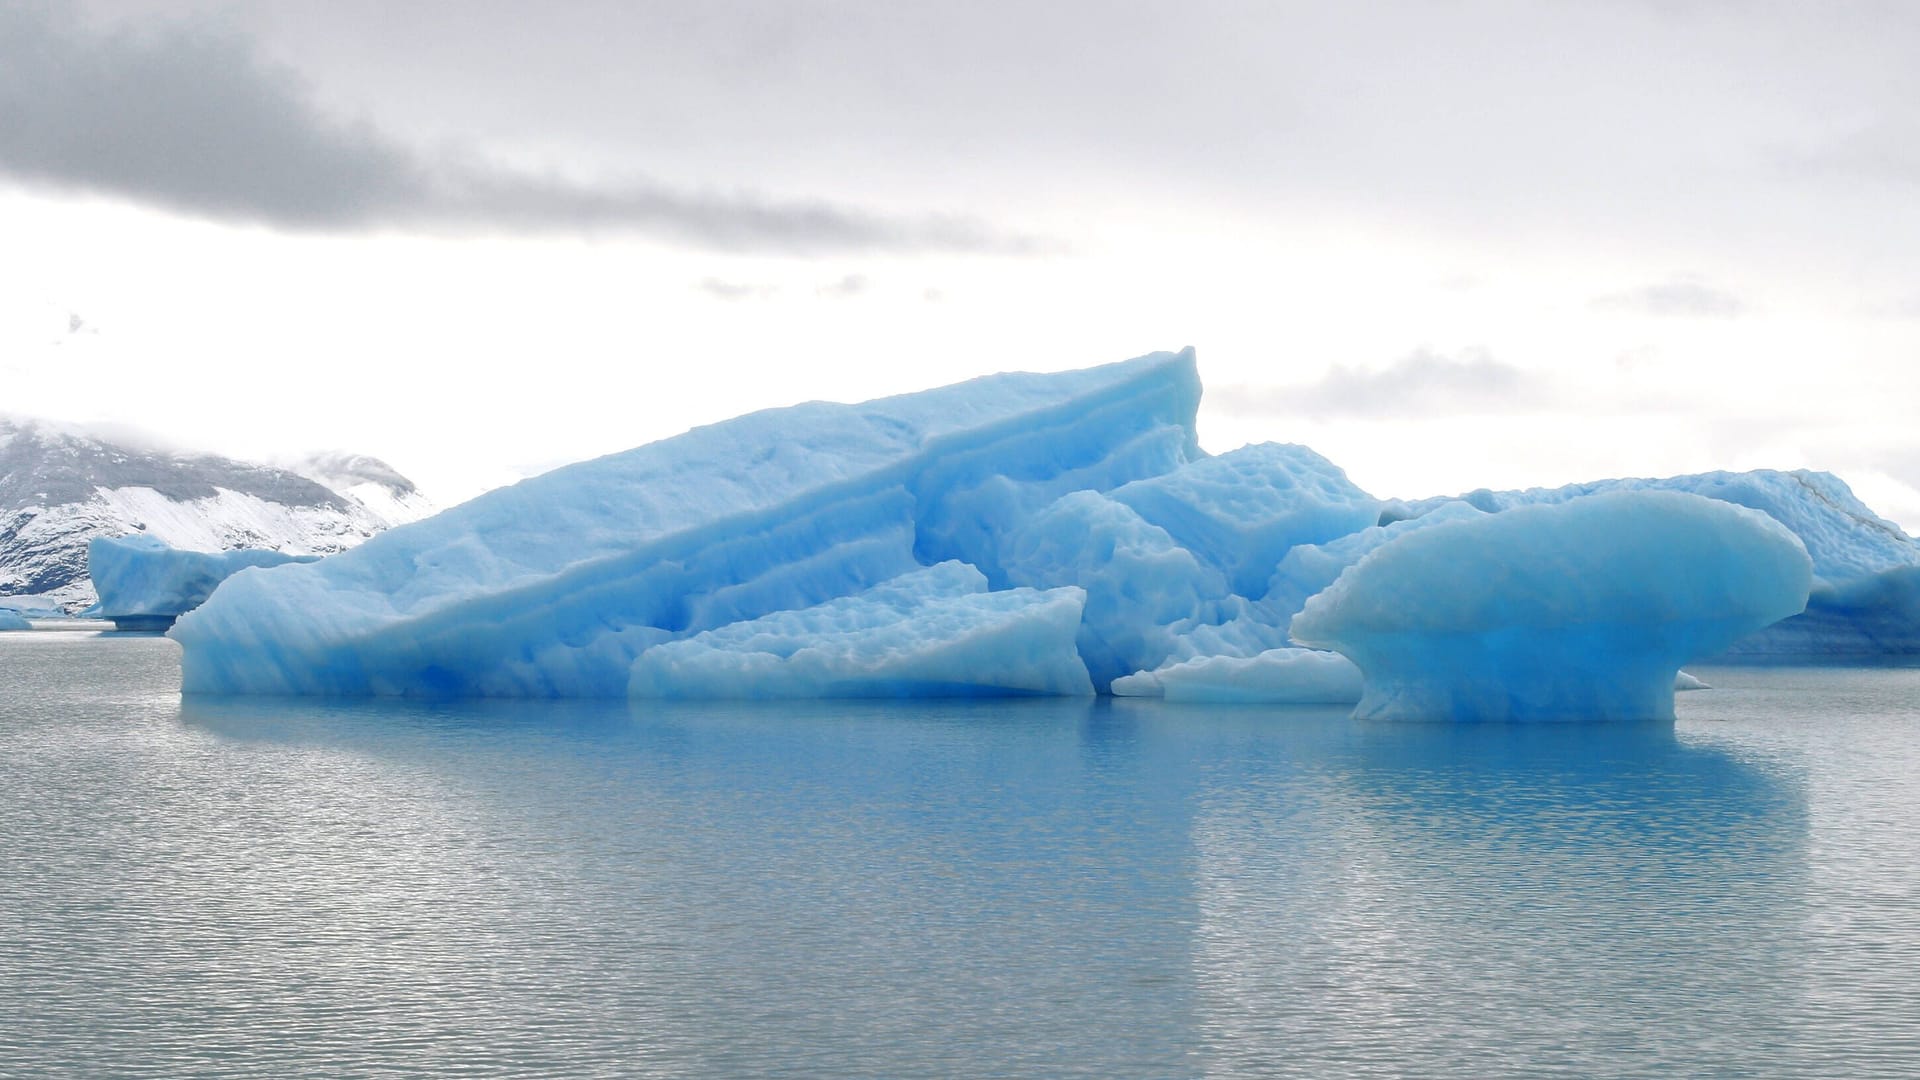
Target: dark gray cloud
{"points": [[1682, 298], [1425, 383], [1661, 121], [184, 115]]}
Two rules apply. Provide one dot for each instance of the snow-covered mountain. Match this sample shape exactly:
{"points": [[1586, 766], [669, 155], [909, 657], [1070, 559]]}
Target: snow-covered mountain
{"points": [[61, 487]]}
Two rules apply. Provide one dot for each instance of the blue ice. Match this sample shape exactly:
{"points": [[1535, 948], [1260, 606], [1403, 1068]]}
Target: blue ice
{"points": [[554, 586], [936, 632], [1282, 676], [1241, 511], [1053, 534], [140, 579], [1578, 610], [1143, 589], [1865, 601]]}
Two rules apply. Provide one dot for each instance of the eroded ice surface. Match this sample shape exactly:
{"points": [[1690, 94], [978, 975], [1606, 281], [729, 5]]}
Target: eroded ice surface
{"points": [[1143, 589], [1241, 511], [1577, 610], [936, 632], [1309, 568], [140, 576], [555, 585]]}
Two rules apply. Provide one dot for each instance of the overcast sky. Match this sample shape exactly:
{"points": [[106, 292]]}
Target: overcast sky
{"points": [[1450, 244]]}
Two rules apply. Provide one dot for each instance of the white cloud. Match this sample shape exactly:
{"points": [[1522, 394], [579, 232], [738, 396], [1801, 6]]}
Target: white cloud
{"points": [[1421, 383], [1684, 297]]}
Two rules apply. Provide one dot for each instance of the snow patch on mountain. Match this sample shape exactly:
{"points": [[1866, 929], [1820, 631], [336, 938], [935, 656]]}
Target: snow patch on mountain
{"points": [[375, 485], [61, 487]]}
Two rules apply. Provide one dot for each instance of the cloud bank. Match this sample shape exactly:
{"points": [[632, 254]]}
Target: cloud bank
{"points": [[189, 118], [1681, 298], [1424, 383]]}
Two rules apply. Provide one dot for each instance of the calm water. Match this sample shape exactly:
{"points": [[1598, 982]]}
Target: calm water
{"points": [[1013, 889]]}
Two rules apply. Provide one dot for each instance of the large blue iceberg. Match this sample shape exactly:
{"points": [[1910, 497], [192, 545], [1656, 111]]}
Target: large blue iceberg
{"points": [[556, 585], [1053, 534], [1577, 610], [144, 584]]}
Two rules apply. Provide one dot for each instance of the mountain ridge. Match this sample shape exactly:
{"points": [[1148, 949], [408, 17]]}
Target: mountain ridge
{"points": [[60, 487]]}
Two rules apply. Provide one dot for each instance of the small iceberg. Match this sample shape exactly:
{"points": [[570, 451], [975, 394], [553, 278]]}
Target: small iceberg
{"points": [[144, 584], [1580, 610]]}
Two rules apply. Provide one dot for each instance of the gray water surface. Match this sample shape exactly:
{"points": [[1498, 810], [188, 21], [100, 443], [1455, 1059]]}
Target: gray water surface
{"points": [[1101, 889]]}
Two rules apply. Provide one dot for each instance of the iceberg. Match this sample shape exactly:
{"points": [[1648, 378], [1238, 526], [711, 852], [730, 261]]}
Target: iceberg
{"points": [[35, 606], [556, 586], [144, 584], [1284, 676], [1058, 534], [13, 620], [1578, 610], [1865, 601], [936, 632]]}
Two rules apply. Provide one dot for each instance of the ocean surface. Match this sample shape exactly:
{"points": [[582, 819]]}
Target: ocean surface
{"points": [[1099, 889]]}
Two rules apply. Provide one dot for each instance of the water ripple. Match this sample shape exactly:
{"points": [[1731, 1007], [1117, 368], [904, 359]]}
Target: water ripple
{"points": [[251, 888]]}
